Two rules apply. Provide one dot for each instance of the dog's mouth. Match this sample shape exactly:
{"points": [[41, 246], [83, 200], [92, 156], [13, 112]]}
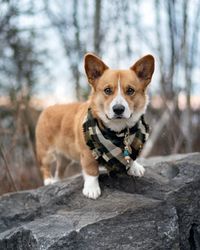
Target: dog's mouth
{"points": [[118, 117]]}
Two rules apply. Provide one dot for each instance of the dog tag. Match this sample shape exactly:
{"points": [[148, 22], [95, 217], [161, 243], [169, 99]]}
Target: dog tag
{"points": [[127, 148], [127, 142]]}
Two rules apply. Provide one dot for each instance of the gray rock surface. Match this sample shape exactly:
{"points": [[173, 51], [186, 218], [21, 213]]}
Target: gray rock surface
{"points": [[158, 211]]}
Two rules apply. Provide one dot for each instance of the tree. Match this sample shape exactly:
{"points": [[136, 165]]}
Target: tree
{"points": [[69, 29], [20, 61]]}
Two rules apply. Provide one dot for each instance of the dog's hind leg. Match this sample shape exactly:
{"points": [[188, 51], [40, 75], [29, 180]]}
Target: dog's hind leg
{"points": [[60, 168], [45, 160]]}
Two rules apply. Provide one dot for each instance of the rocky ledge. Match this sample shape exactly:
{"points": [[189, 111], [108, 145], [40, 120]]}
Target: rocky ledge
{"points": [[158, 211]]}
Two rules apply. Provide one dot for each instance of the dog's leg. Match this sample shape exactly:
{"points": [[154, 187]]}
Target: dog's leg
{"points": [[60, 169], [45, 166], [91, 187], [46, 174], [136, 169]]}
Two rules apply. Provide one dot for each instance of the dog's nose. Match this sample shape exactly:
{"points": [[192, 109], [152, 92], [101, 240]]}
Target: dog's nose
{"points": [[118, 109]]}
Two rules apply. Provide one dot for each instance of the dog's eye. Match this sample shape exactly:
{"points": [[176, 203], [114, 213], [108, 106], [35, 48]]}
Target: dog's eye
{"points": [[108, 91], [130, 91]]}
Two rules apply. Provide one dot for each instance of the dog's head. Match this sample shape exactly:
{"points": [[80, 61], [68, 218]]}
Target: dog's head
{"points": [[119, 96]]}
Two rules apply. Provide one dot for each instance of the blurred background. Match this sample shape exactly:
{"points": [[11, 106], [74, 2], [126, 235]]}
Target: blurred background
{"points": [[42, 44]]}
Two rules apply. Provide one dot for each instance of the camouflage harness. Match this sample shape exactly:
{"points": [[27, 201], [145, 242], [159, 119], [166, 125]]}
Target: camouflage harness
{"points": [[111, 149]]}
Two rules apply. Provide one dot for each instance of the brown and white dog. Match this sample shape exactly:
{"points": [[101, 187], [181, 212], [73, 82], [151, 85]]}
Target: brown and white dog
{"points": [[118, 98]]}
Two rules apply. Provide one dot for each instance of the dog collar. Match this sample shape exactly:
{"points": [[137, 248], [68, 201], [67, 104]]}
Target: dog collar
{"points": [[114, 150]]}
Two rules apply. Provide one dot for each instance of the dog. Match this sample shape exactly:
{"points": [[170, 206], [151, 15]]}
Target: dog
{"points": [[116, 104]]}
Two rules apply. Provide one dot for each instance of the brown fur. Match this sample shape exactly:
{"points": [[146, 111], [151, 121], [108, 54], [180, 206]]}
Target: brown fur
{"points": [[59, 129]]}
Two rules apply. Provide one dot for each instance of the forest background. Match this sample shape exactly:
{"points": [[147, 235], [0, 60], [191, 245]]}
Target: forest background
{"points": [[42, 45]]}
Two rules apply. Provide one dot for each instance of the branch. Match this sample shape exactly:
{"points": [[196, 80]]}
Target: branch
{"points": [[157, 130], [7, 168]]}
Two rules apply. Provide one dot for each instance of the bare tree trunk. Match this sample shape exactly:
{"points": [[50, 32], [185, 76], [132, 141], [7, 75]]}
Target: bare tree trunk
{"points": [[97, 27], [75, 68], [189, 52], [160, 49], [188, 125], [171, 23]]}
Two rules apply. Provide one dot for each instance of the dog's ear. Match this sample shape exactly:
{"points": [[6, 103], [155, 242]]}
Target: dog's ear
{"points": [[144, 68], [94, 67]]}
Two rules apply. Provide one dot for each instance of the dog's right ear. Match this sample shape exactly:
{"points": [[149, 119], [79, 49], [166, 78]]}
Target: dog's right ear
{"points": [[94, 67]]}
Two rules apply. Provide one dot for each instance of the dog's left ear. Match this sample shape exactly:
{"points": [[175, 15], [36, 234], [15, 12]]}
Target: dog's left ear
{"points": [[94, 67], [144, 68]]}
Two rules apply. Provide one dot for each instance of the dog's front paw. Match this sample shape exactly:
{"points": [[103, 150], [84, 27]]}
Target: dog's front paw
{"points": [[136, 169], [92, 192], [91, 187]]}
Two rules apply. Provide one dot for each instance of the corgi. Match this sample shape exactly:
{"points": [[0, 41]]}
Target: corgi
{"points": [[117, 102]]}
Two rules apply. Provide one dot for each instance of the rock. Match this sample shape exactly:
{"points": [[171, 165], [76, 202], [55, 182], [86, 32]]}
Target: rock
{"points": [[158, 211]]}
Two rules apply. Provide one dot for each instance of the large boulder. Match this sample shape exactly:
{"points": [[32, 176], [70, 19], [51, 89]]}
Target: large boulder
{"points": [[158, 211]]}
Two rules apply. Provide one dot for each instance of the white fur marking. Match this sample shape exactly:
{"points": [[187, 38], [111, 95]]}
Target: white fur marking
{"points": [[119, 99], [119, 124], [91, 186], [136, 169], [51, 180], [119, 87], [47, 181]]}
